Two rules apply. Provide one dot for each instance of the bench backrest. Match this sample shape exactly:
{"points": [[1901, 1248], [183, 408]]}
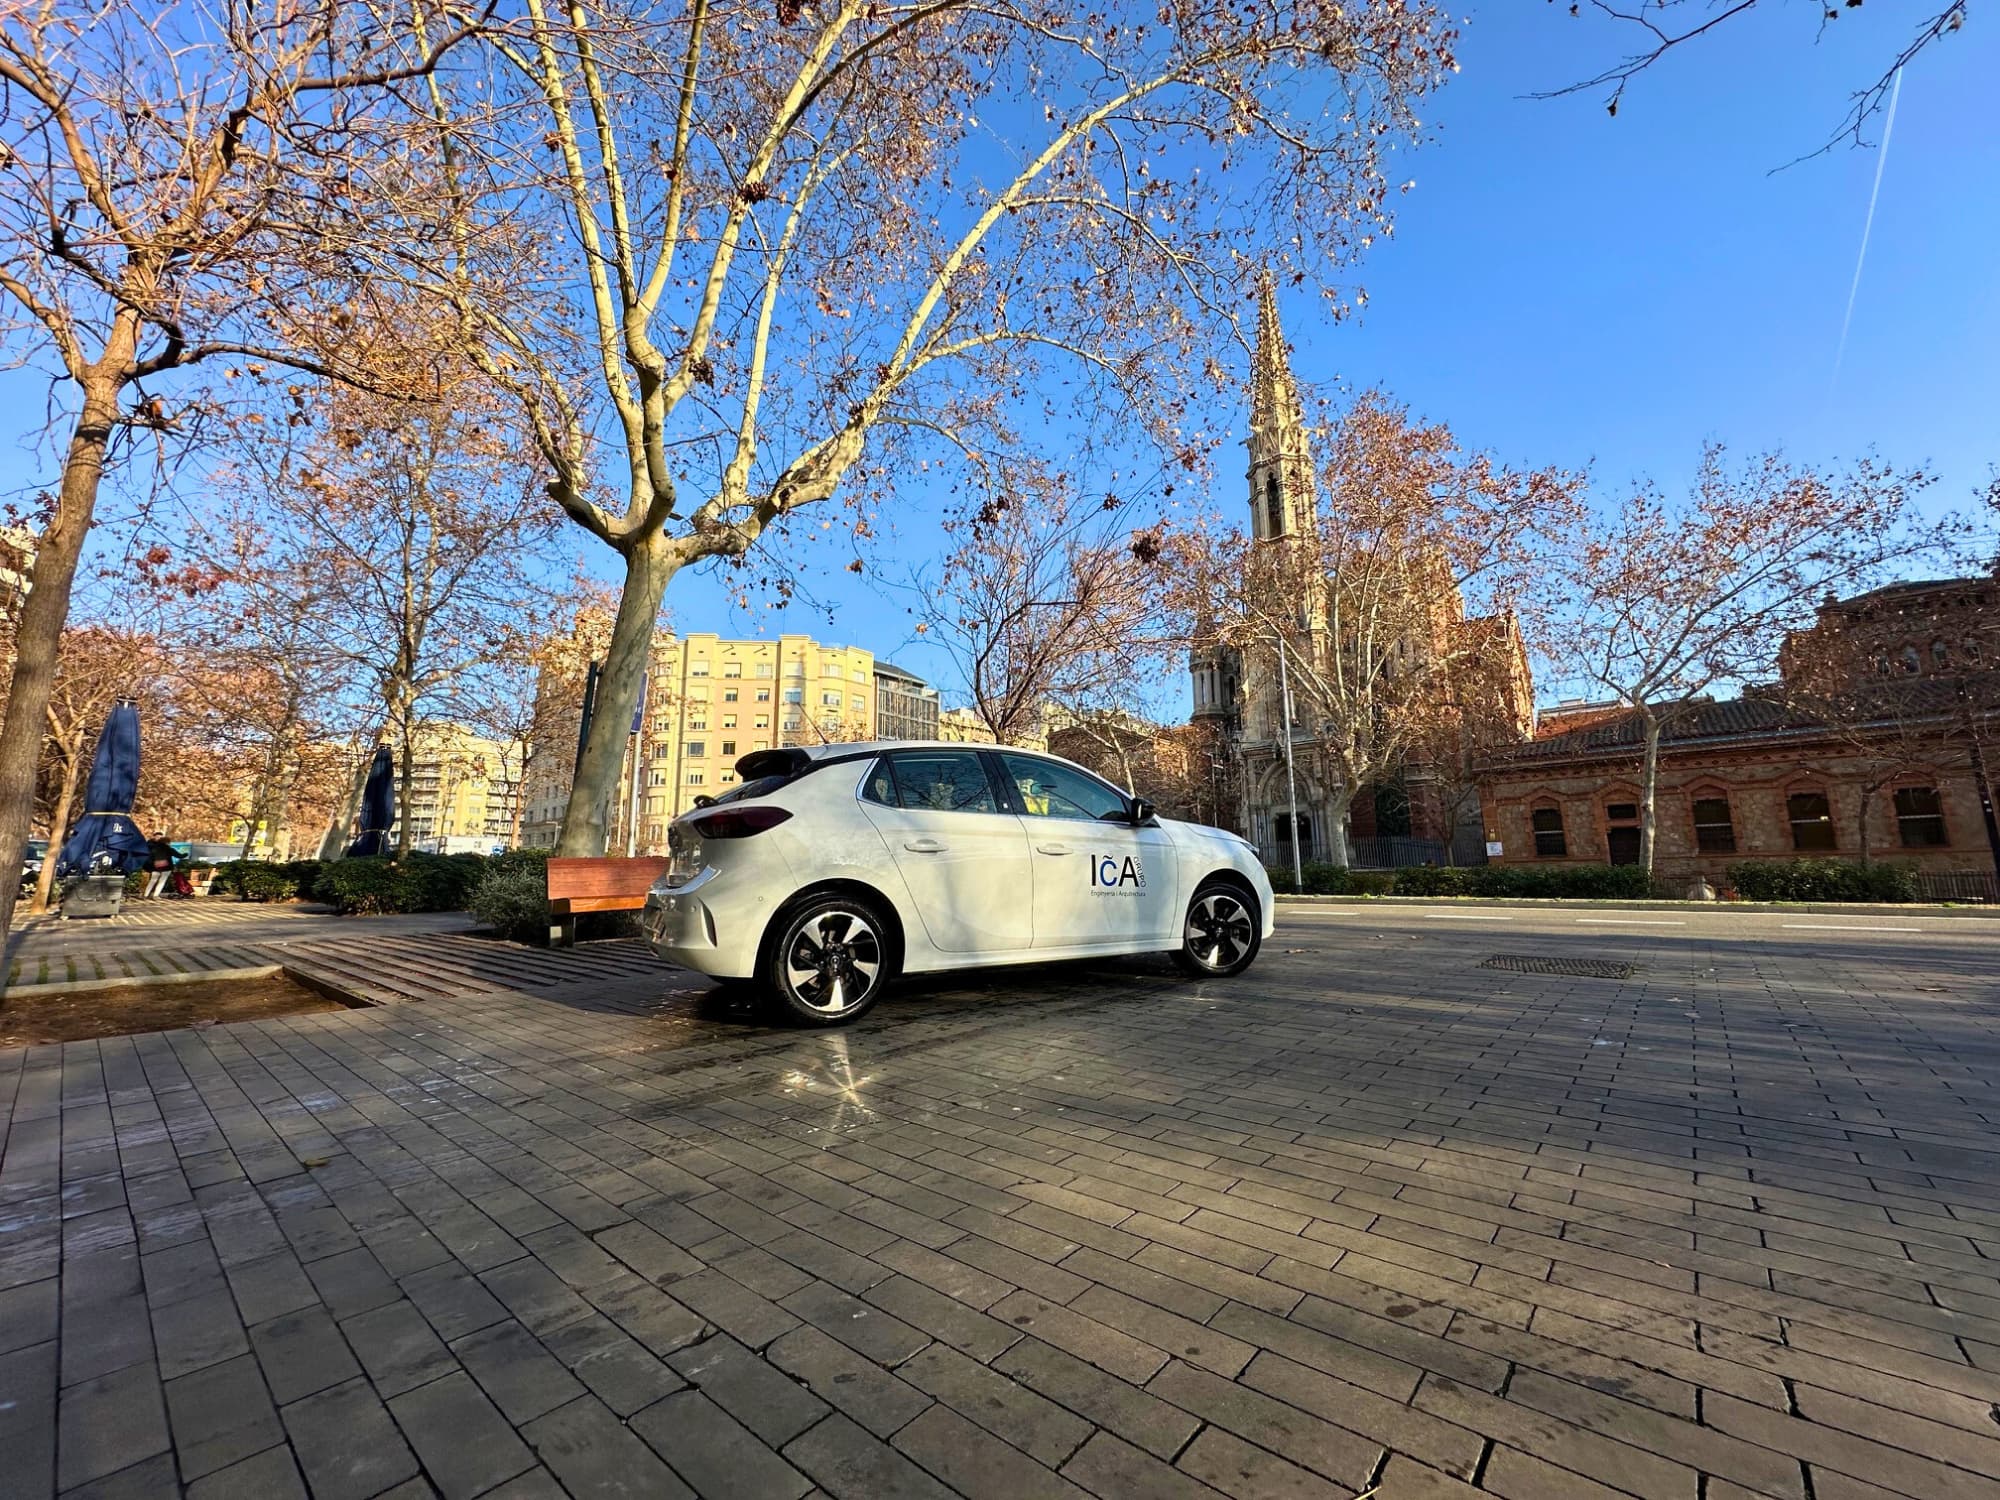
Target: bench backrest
{"points": [[607, 878]]}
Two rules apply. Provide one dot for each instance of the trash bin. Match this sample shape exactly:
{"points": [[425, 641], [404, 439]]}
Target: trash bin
{"points": [[95, 896]]}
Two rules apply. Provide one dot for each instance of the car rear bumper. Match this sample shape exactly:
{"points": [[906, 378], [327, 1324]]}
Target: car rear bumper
{"points": [[700, 926]]}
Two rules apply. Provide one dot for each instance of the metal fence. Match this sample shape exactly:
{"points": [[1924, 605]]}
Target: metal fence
{"points": [[1958, 885], [1381, 853]]}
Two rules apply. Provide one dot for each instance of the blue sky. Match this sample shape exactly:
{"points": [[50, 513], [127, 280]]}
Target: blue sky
{"points": [[1567, 288]]}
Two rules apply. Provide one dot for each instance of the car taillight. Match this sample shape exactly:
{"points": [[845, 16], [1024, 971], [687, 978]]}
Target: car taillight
{"points": [[736, 822]]}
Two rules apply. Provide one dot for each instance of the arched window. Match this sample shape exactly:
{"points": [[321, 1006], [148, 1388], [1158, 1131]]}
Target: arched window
{"points": [[1274, 507], [1714, 832], [1940, 655], [1912, 662], [1811, 817], [1920, 817], [1971, 649], [1550, 841], [1621, 832]]}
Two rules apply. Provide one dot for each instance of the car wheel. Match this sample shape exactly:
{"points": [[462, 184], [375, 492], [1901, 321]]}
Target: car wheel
{"points": [[1222, 932], [830, 961]]}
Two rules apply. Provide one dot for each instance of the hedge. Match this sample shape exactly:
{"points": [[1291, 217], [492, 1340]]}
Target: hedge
{"points": [[420, 882], [1575, 882], [269, 880], [1821, 880], [1336, 880]]}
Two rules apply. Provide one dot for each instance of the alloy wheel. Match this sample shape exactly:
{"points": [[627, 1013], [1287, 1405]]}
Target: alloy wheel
{"points": [[833, 961], [1219, 930]]}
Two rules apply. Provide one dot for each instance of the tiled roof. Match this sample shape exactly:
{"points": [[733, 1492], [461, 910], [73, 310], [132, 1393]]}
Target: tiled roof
{"points": [[1752, 715]]}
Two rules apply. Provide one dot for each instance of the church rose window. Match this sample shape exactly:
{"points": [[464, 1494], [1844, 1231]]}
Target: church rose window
{"points": [[1920, 817], [1714, 833], [1550, 842], [1812, 820]]}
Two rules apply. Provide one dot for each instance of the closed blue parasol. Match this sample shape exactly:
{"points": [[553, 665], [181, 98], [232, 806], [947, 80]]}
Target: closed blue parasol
{"points": [[105, 837], [378, 807]]}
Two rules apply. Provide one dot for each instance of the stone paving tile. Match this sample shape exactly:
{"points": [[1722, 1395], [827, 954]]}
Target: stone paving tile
{"points": [[1368, 1216]]}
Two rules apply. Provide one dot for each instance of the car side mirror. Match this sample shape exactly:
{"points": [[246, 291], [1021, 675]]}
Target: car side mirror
{"points": [[1142, 812]]}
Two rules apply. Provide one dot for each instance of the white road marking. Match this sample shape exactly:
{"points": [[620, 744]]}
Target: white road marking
{"points": [[1843, 927], [1464, 916], [1634, 921]]}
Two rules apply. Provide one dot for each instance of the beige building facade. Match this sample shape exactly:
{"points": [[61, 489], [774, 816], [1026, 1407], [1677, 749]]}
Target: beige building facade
{"points": [[712, 701], [463, 786], [709, 702]]}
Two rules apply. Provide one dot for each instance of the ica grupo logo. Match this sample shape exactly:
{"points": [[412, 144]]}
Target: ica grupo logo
{"points": [[1113, 873]]}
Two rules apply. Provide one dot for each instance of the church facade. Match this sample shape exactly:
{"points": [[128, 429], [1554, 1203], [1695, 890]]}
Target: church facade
{"points": [[1424, 809]]}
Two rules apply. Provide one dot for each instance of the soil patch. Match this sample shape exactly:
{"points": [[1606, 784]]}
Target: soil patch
{"points": [[79, 1015]]}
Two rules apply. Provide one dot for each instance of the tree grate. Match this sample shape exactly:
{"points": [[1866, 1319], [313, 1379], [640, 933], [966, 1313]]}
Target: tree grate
{"points": [[1582, 968]]}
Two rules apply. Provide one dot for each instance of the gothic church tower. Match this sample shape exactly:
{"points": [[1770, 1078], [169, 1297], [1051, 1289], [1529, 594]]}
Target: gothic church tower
{"points": [[1281, 473]]}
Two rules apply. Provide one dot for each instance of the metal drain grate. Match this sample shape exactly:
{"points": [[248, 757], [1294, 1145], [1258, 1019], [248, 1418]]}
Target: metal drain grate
{"points": [[1582, 968]]}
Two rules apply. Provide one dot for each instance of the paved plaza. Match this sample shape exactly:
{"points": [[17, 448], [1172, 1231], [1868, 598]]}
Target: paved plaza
{"points": [[1377, 1218]]}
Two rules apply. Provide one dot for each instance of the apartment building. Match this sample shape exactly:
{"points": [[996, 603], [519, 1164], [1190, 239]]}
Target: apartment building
{"points": [[712, 701], [462, 787]]}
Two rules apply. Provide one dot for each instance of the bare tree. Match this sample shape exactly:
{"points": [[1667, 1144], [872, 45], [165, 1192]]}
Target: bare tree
{"points": [[177, 186], [806, 268], [1050, 602], [1659, 28], [527, 697], [95, 668], [1368, 607], [395, 538], [1665, 602]]}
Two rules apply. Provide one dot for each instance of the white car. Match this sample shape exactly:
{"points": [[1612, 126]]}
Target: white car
{"points": [[833, 869]]}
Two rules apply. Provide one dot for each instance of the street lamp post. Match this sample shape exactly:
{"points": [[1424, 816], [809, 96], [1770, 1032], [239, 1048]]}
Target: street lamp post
{"points": [[1291, 777]]}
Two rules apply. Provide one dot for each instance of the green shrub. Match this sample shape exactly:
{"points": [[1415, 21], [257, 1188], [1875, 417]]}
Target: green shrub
{"points": [[513, 899], [1821, 880], [1550, 882], [534, 859], [265, 880], [1371, 882], [422, 882], [360, 887]]}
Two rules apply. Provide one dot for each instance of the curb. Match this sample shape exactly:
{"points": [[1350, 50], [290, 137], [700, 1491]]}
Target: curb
{"points": [[319, 985], [1747, 908]]}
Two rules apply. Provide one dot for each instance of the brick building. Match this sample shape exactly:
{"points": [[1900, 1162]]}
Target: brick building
{"points": [[1874, 743]]}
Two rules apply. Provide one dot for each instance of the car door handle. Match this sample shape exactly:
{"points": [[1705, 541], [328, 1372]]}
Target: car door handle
{"points": [[924, 846], [1053, 848]]}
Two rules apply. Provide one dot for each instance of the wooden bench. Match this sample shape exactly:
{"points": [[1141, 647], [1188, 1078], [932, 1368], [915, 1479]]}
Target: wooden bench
{"points": [[611, 884]]}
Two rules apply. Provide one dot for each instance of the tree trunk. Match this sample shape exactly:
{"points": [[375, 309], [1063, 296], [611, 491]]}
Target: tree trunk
{"points": [[334, 845], [1649, 785], [47, 611], [404, 777], [520, 797], [45, 882], [587, 820], [1339, 851]]}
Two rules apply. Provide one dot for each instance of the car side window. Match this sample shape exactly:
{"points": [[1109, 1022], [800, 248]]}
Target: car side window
{"points": [[1048, 790], [880, 785], [949, 781]]}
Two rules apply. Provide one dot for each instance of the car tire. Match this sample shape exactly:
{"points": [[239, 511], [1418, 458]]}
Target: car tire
{"points": [[1222, 931], [829, 959]]}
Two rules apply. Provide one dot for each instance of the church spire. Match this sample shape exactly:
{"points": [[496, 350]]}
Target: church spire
{"points": [[1281, 478], [1274, 399]]}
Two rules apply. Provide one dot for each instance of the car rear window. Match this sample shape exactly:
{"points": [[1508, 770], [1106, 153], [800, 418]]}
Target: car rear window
{"points": [[750, 791]]}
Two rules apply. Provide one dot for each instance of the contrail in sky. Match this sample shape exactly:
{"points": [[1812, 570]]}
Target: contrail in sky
{"points": [[1868, 228]]}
